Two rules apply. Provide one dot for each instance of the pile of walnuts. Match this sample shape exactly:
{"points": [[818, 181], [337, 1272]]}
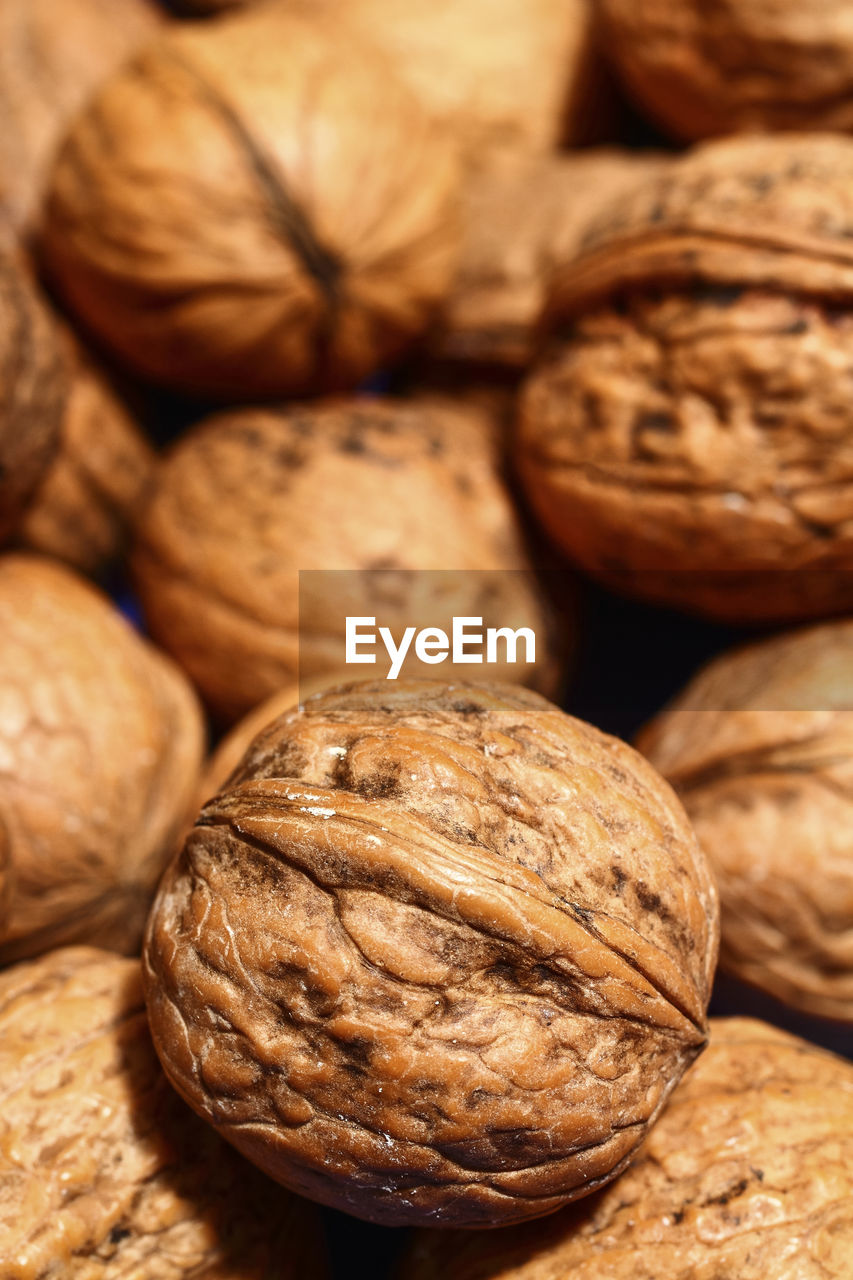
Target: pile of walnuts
{"points": [[527, 316]]}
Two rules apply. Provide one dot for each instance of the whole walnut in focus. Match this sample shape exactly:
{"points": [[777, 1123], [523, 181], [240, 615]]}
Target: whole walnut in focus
{"points": [[51, 60], [690, 437], [437, 954], [748, 1175], [254, 207], [373, 488], [741, 65], [103, 1170], [100, 749], [760, 748]]}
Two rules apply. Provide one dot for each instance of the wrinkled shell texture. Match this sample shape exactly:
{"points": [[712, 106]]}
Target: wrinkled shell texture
{"points": [[33, 386], [100, 750], [748, 1175], [760, 748], [707, 68], [438, 955], [84, 507], [688, 436], [252, 497], [254, 207], [49, 65], [104, 1173]]}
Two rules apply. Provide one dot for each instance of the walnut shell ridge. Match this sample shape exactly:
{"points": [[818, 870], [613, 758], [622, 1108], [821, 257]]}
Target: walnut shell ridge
{"points": [[103, 1170], [759, 747], [253, 207], [437, 955], [250, 498], [748, 1174], [101, 742], [687, 437]]}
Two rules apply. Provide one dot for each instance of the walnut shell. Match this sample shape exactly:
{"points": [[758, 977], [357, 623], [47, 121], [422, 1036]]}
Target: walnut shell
{"points": [[253, 207], [760, 748], [437, 955], [252, 497], [49, 65], [100, 749], [103, 1170], [744, 65], [688, 437], [748, 1174], [33, 386]]}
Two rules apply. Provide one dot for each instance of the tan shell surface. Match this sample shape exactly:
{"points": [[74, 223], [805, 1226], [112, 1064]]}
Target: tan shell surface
{"points": [[254, 207], [760, 748], [33, 387], [104, 1172], [50, 62], [695, 448], [437, 955], [372, 488], [704, 69], [100, 749], [748, 1175], [762, 211]]}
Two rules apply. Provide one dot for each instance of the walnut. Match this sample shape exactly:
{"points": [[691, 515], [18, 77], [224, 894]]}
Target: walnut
{"points": [[254, 207], [103, 1170], [748, 1174], [33, 387], [100, 749], [688, 439], [251, 497], [760, 748], [743, 65], [522, 216], [437, 955], [49, 65]]}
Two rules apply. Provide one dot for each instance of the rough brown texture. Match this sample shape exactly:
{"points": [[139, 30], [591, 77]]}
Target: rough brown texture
{"points": [[50, 62], [438, 954], [254, 207], [252, 497], [760, 748], [522, 215], [84, 507], [689, 436], [100, 749], [748, 1175], [104, 1173], [33, 386], [705, 68]]}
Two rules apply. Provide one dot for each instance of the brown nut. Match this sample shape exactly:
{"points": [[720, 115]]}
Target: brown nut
{"points": [[251, 497], [100, 749], [689, 438], [437, 955], [760, 748], [748, 1174], [103, 1170], [49, 65], [253, 207], [745, 65]]}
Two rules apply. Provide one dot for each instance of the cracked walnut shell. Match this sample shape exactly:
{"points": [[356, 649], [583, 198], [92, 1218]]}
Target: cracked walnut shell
{"points": [[689, 438], [100, 750], [759, 747], [438, 954], [104, 1172], [252, 208], [748, 1175]]}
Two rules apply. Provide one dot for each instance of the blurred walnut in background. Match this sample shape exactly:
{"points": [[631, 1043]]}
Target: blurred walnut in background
{"points": [[254, 207], [100, 749], [52, 56], [760, 748]]}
